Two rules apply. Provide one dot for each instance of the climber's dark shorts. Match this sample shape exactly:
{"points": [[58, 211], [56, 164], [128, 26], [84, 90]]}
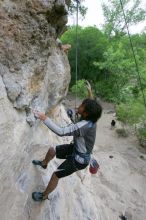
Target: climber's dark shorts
{"points": [[70, 165]]}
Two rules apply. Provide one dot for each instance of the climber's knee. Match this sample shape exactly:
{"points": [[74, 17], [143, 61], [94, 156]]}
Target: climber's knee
{"points": [[52, 152], [54, 175]]}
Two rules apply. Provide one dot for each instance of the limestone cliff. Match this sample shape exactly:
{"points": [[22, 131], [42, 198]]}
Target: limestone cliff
{"points": [[34, 73], [31, 61]]}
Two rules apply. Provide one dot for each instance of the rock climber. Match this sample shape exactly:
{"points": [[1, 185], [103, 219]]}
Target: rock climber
{"points": [[76, 154]]}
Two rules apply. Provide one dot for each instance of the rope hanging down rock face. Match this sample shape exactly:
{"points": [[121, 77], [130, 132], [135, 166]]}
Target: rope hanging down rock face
{"points": [[76, 75]]}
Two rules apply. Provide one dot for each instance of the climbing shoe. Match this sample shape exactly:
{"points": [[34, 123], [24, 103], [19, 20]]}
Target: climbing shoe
{"points": [[37, 196], [39, 163]]}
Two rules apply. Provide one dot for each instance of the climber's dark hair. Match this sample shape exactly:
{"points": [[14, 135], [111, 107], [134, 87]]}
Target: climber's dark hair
{"points": [[93, 108]]}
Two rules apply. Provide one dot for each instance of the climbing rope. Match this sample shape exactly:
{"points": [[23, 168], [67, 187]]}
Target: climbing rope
{"points": [[134, 56], [76, 61]]}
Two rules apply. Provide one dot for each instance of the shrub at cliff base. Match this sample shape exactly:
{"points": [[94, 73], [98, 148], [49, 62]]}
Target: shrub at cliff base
{"points": [[134, 113]]}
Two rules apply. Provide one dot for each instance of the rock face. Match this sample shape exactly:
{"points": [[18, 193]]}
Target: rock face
{"points": [[31, 61], [34, 73]]}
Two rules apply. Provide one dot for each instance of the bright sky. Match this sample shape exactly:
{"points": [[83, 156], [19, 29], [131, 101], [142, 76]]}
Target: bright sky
{"points": [[94, 16]]}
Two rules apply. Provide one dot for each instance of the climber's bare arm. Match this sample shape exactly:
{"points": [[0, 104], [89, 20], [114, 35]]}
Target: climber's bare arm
{"points": [[89, 90]]}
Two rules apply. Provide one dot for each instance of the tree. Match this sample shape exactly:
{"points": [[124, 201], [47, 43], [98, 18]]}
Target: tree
{"points": [[114, 19], [91, 46], [119, 80], [73, 7]]}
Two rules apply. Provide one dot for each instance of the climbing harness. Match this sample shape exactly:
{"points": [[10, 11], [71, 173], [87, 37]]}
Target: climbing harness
{"points": [[82, 158]]}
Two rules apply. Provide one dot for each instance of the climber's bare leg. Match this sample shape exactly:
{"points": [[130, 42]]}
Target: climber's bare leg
{"points": [[49, 156], [51, 186]]}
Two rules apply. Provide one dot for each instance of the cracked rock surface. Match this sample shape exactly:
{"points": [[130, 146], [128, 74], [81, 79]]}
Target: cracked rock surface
{"points": [[31, 60]]}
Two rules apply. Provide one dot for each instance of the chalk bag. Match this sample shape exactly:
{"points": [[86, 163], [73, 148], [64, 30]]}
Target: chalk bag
{"points": [[93, 167]]}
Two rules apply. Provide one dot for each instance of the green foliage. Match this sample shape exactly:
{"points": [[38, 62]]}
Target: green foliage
{"points": [[117, 69], [105, 58], [119, 81], [130, 112], [73, 7], [105, 90], [80, 89], [142, 132], [114, 19], [91, 45]]}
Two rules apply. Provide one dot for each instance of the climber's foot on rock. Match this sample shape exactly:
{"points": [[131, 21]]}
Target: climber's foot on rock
{"points": [[38, 196], [39, 163]]}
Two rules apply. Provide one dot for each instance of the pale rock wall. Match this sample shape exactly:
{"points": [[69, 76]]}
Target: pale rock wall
{"points": [[33, 68], [20, 144], [34, 73]]}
